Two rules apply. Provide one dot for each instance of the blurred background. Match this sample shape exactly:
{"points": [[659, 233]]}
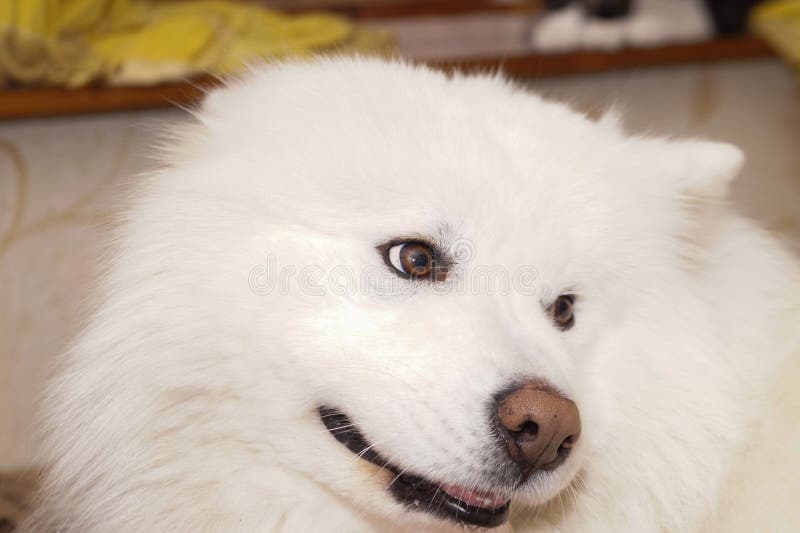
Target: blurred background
{"points": [[85, 86]]}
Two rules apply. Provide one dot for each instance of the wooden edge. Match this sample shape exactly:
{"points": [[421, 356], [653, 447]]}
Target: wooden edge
{"points": [[419, 8], [23, 103], [541, 65]]}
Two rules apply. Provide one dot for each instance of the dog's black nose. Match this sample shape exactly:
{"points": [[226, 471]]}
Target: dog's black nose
{"points": [[539, 426]]}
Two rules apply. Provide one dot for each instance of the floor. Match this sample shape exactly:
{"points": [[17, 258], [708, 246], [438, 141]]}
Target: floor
{"points": [[58, 177]]}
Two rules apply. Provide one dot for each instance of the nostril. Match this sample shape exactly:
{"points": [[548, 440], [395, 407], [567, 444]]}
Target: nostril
{"points": [[566, 446], [528, 430]]}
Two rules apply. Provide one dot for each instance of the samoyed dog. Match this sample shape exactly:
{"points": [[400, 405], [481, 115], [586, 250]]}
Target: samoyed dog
{"points": [[368, 296]]}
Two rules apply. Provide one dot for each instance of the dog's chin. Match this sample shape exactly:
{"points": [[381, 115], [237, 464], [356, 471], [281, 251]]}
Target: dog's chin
{"points": [[451, 502]]}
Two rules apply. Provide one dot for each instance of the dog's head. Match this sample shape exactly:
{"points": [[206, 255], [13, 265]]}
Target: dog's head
{"points": [[427, 295]]}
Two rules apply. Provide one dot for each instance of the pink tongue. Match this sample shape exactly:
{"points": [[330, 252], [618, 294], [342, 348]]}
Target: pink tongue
{"points": [[475, 498]]}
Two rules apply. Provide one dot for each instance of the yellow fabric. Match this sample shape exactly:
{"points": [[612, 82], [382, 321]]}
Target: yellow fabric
{"points": [[778, 23], [73, 42]]}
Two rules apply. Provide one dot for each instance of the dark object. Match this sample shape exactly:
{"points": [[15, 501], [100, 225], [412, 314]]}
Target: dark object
{"points": [[552, 5], [730, 16], [607, 9], [6, 525]]}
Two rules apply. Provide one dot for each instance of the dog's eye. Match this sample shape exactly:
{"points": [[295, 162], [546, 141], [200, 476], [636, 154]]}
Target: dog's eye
{"points": [[561, 311], [412, 259]]}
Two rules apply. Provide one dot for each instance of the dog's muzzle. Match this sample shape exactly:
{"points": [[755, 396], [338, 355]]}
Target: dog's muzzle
{"points": [[536, 425]]}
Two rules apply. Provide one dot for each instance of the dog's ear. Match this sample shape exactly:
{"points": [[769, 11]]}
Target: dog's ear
{"points": [[697, 167], [710, 166]]}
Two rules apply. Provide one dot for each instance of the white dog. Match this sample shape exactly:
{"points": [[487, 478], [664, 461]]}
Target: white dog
{"points": [[366, 296]]}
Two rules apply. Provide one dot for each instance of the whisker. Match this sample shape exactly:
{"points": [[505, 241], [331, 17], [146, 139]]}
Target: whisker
{"points": [[403, 471], [336, 428]]}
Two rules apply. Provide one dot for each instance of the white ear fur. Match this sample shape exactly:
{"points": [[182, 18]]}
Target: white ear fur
{"points": [[694, 167], [708, 167]]}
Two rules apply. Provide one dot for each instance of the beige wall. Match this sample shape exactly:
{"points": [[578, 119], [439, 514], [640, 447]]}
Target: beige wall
{"points": [[57, 178]]}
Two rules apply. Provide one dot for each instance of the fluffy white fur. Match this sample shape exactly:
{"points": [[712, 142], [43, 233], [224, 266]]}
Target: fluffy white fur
{"points": [[188, 404]]}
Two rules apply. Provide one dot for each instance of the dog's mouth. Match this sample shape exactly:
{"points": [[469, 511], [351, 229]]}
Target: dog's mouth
{"points": [[451, 502]]}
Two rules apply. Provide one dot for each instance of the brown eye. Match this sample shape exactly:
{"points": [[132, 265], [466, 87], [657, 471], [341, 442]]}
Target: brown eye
{"points": [[412, 259], [561, 311]]}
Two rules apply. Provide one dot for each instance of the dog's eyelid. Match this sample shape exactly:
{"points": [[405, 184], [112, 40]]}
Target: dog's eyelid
{"points": [[410, 238], [569, 293]]}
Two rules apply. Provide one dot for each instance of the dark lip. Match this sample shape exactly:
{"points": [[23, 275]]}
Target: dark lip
{"points": [[415, 492]]}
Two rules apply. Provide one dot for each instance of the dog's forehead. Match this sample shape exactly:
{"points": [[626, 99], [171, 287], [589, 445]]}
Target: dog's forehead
{"points": [[369, 152], [370, 137]]}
